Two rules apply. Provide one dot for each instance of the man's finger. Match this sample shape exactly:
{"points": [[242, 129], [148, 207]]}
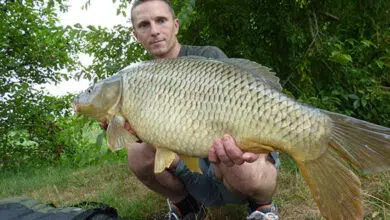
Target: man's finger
{"points": [[221, 154], [250, 157], [232, 151], [104, 125], [213, 156], [129, 128]]}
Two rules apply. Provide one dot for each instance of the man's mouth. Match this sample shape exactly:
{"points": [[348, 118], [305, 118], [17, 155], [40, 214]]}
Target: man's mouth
{"points": [[156, 41]]}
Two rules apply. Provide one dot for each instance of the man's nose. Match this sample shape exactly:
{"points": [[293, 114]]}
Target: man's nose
{"points": [[154, 30]]}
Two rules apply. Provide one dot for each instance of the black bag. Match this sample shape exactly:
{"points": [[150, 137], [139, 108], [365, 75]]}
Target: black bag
{"points": [[26, 209]]}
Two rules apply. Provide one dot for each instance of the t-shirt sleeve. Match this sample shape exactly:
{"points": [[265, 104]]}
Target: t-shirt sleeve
{"points": [[213, 52], [203, 51]]}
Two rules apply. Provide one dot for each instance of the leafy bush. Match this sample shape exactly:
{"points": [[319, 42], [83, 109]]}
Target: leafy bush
{"points": [[28, 134], [84, 143], [41, 130]]}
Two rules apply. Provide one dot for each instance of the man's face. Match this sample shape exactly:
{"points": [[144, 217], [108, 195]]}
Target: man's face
{"points": [[155, 28]]}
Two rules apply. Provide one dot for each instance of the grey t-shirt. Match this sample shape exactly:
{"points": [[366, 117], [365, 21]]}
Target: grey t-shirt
{"points": [[204, 51]]}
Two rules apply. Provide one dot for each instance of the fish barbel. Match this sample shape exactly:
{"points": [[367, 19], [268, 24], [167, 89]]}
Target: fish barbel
{"points": [[181, 105]]}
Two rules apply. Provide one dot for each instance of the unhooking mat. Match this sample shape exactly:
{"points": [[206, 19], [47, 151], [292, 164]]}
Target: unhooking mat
{"points": [[22, 208]]}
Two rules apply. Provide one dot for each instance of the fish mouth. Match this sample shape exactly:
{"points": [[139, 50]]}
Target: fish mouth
{"points": [[75, 107]]}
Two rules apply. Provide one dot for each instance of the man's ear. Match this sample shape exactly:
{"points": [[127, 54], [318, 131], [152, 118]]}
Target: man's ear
{"points": [[135, 35], [176, 24]]}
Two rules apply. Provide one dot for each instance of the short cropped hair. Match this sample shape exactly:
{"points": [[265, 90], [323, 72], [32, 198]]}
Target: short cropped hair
{"points": [[138, 2]]}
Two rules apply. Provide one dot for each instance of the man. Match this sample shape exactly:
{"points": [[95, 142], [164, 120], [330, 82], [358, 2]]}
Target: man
{"points": [[232, 176]]}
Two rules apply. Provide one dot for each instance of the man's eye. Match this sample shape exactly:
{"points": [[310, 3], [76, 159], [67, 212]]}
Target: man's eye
{"points": [[142, 25], [162, 20]]}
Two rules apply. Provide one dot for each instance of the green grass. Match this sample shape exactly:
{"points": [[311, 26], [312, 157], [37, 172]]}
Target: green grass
{"points": [[116, 186], [111, 184], [13, 184]]}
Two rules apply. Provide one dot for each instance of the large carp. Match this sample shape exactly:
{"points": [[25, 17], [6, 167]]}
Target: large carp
{"points": [[181, 105]]}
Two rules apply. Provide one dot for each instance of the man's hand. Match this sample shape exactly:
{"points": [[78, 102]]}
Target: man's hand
{"points": [[244, 173], [225, 151], [127, 127], [104, 125]]}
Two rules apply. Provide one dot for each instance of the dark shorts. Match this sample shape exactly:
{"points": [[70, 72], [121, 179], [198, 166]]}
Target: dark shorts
{"points": [[209, 190]]}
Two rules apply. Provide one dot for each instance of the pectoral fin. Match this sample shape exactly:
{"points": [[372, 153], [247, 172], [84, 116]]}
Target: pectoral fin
{"points": [[163, 159], [191, 162], [117, 136]]}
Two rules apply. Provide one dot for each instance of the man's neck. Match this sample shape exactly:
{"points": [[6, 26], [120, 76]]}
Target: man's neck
{"points": [[173, 53]]}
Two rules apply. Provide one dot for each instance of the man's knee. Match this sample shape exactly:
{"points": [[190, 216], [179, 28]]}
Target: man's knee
{"points": [[264, 185]]}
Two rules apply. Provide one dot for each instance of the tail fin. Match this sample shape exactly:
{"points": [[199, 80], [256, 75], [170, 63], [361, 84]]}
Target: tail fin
{"points": [[335, 187], [365, 145]]}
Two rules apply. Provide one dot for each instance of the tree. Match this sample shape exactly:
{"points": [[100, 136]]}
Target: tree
{"points": [[30, 134], [34, 49], [112, 50]]}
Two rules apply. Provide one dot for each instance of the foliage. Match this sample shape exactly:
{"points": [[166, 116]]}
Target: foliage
{"points": [[112, 50], [37, 129], [185, 12], [33, 48], [28, 132], [42, 130], [88, 143]]}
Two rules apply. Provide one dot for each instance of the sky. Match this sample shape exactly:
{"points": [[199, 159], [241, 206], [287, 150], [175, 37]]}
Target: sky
{"points": [[99, 12]]}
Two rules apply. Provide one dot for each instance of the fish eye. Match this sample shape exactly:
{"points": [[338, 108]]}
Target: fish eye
{"points": [[89, 90]]}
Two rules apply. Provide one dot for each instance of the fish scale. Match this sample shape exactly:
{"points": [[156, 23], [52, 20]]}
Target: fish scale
{"points": [[181, 105]]}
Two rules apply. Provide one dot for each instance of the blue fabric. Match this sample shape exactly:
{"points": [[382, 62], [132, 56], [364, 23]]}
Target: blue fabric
{"points": [[206, 188]]}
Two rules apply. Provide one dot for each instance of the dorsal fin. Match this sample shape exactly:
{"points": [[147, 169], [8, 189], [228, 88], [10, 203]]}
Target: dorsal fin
{"points": [[256, 69], [252, 67]]}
